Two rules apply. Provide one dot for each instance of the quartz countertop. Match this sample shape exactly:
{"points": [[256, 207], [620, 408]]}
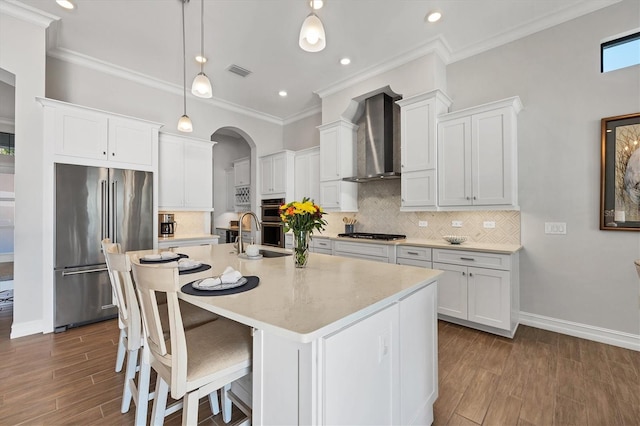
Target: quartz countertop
{"points": [[304, 304], [188, 237], [440, 244]]}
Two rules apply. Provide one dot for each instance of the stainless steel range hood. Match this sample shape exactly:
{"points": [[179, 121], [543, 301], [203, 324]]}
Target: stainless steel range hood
{"points": [[378, 144]]}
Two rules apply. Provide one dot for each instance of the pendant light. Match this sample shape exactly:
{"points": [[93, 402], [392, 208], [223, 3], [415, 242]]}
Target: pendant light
{"points": [[201, 86], [312, 36], [184, 124]]}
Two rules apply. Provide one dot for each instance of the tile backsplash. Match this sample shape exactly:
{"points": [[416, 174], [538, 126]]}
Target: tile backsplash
{"points": [[191, 223], [379, 211]]}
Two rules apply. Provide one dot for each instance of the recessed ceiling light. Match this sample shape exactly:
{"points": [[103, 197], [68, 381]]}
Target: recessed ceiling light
{"points": [[345, 61], [282, 93], [316, 4], [434, 16], [66, 4], [201, 59]]}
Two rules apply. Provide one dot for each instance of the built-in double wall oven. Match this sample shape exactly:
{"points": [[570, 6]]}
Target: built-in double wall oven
{"points": [[272, 227]]}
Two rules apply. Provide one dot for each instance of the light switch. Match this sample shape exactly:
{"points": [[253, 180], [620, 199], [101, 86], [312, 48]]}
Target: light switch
{"points": [[423, 223], [555, 228], [489, 224], [456, 223]]}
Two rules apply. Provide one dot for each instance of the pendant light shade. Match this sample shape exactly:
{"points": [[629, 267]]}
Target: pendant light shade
{"points": [[184, 123], [312, 37], [201, 86]]}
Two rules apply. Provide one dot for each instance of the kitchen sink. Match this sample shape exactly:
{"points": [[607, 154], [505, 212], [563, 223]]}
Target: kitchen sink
{"points": [[269, 253]]}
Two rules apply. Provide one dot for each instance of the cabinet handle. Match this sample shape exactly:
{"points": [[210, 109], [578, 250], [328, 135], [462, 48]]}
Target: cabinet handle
{"points": [[413, 253], [104, 152], [470, 274], [468, 258], [474, 197], [468, 198], [402, 200], [464, 274], [113, 154]]}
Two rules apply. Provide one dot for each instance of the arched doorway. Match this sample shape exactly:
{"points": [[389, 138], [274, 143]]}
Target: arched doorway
{"points": [[232, 144]]}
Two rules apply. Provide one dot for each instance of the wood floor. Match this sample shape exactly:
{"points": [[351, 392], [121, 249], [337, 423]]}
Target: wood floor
{"points": [[538, 378]]}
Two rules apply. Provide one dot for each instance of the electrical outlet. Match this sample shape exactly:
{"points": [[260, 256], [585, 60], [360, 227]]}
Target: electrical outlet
{"points": [[555, 228], [456, 223], [489, 224], [423, 223]]}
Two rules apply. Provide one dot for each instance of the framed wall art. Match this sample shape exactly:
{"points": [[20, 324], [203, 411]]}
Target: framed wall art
{"points": [[620, 173]]}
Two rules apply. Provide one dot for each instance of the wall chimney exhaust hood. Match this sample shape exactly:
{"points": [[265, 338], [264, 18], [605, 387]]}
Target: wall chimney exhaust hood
{"points": [[378, 144]]}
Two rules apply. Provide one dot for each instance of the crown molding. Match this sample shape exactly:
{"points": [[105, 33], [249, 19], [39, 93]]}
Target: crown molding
{"points": [[140, 78], [317, 109], [27, 13], [437, 45], [568, 13]]}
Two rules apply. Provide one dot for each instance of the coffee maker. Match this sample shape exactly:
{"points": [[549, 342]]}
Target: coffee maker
{"points": [[166, 224]]}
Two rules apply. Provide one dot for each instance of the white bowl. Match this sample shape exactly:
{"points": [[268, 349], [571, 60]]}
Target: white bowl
{"points": [[454, 239]]}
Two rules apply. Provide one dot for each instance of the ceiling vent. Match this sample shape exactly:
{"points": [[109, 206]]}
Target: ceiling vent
{"points": [[238, 70]]}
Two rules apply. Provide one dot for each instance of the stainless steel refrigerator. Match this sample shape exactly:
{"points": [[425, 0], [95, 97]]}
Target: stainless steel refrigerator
{"points": [[94, 203]]}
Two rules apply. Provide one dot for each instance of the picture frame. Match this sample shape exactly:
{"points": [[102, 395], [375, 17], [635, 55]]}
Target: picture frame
{"points": [[620, 173]]}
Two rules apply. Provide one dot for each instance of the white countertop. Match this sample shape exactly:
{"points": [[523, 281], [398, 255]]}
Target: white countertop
{"points": [[440, 244], [188, 237], [304, 304]]}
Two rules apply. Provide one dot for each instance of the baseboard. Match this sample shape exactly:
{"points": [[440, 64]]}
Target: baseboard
{"points": [[584, 331], [26, 328]]}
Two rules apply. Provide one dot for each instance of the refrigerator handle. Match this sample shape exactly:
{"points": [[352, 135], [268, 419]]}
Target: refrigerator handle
{"points": [[103, 218], [114, 209]]}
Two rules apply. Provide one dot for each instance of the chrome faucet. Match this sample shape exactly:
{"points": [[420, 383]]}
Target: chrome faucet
{"points": [[240, 244]]}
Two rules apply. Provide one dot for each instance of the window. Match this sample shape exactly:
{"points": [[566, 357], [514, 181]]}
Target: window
{"points": [[7, 144], [619, 53]]}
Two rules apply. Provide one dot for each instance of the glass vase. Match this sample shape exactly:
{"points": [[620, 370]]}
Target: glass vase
{"points": [[301, 248]]}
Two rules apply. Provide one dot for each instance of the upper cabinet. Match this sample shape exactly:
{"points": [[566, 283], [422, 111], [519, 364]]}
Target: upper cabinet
{"points": [[337, 161], [276, 175], [477, 156], [88, 136], [419, 147], [242, 172], [307, 174], [185, 173]]}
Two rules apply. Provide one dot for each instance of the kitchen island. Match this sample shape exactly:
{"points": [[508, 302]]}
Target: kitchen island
{"points": [[342, 341]]}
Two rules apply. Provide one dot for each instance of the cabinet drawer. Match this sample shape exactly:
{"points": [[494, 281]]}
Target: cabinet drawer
{"points": [[377, 250], [415, 262], [473, 258], [414, 252], [321, 243]]}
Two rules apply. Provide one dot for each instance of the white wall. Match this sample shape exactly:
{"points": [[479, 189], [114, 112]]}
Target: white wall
{"points": [[302, 134], [418, 76], [26, 60], [586, 276]]}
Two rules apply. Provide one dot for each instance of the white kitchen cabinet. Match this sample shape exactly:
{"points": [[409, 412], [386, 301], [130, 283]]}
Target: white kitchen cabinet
{"points": [[276, 174], [242, 172], [321, 245], [477, 156], [338, 195], [337, 161], [307, 174], [111, 140], [230, 187], [414, 256], [418, 148], [479, 290], [288, 241], [370, 251], [185, 175]]}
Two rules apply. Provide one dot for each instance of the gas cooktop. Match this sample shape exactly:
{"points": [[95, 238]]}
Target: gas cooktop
{"points": [[372, 236]]}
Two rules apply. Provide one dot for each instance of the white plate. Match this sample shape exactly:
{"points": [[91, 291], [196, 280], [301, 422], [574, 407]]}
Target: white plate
{"points": [[189, 266], [201, 285]]}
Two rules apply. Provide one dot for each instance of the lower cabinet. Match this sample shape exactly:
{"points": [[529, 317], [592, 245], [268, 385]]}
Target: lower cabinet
{"points": [[479, 290], [370, 251], [187, 243], [321, 245], [414, 256]]}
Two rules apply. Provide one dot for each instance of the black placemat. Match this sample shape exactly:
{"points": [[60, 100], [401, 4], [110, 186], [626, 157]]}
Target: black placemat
{"points": [[180, 256], [252, 282], [200, 268]]}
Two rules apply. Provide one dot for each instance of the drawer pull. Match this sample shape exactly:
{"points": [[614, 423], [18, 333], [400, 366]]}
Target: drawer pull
{"points": [[413, 253], [468, 258]]}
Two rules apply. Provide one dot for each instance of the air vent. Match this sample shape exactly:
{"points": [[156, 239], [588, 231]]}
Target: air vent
{"points": [[238, 70]]}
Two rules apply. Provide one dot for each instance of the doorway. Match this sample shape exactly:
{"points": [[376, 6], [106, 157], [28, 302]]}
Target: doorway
{"points": [[7, 191]]}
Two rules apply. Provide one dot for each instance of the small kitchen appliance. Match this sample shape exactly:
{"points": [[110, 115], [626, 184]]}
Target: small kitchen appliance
{"points": [[167, 224]]}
